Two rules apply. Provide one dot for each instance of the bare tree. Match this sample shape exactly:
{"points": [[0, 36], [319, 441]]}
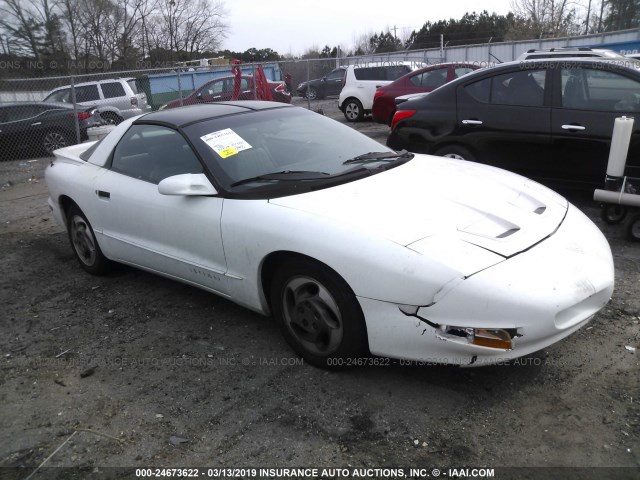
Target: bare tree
{"points": [[546, 17], [21, 26]]}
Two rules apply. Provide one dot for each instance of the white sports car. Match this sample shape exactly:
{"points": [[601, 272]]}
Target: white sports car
{"points": [[354, 249]]}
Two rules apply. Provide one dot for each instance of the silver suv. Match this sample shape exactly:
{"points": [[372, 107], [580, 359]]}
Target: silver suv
{"points": [[569, 52], [361, 82], [116, 98]]}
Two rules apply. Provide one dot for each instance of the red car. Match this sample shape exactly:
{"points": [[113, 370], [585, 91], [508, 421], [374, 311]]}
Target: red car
{"points": [[423, 80], [221, 90]]}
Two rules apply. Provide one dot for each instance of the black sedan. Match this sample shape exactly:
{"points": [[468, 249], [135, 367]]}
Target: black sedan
{"points": [[550, 119], [38, 128], [330, 84]]}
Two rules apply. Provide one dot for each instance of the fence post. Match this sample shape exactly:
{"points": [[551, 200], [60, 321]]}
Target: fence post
{"points": [[179, 86], [253, 72], [75, 110], [308, 99]]}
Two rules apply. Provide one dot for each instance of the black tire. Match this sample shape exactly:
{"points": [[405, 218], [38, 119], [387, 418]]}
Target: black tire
{"points": [[633, 227], [111, 117], [457, 152], [312, 93], [54, 139], [353, 110], [613, 214], [84, 243], [318, 314]]}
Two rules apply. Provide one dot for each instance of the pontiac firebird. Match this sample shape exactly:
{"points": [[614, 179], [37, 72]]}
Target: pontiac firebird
{"points": [[356, 250]]}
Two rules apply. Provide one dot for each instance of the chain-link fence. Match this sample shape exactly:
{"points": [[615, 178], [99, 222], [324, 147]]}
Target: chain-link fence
{"points": [[39, 115]]}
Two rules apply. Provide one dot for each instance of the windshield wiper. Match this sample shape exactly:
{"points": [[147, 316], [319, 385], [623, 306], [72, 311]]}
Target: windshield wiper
{"points": [[287, 175], [379, 156]]}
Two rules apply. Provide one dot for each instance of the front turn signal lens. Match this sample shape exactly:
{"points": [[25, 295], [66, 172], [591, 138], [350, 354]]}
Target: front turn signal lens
{"points": [[492, 338]]}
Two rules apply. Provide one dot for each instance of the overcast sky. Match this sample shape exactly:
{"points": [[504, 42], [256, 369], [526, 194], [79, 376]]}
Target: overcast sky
{"points": [[295, 26]]}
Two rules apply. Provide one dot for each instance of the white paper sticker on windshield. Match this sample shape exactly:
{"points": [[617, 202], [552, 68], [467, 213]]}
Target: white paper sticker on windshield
{"points": [[225, 142]]}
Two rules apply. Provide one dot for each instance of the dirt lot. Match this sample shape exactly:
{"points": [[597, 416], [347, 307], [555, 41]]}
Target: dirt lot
{"points": [[134, 364]]}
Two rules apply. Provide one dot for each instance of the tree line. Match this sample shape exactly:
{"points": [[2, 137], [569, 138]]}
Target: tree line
{"points": [[48, 37], [528, 19]]}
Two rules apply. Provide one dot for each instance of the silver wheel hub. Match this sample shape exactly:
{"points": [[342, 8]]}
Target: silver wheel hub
{"points": [[454, 155], [312, 315], [352, 110], [83, 241], [53, 141]]}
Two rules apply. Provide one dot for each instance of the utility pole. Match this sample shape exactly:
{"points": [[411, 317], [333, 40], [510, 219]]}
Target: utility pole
{"points": [[394, 32]]}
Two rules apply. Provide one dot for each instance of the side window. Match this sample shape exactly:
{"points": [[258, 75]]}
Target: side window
{"points": [[370, 73], [153, 153], [434, 78], [460, 71], [396, 71], [523, 87], [63, 95], [479, 90], [244, 84], [335, 74], [112, 90], [416, 80], [599, 90], [87, 93]]}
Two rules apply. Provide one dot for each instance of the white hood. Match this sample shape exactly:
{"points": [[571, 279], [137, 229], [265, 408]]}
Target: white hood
{"points": [[434, 197]]}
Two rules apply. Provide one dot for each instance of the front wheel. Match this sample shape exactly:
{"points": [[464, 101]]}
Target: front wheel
{"points": [[457, 152], [84, 243], [318, 314], [613, 214], [353, 110]]}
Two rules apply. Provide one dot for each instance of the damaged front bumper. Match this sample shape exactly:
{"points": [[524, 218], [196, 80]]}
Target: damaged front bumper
{"points": [[532, 299]]}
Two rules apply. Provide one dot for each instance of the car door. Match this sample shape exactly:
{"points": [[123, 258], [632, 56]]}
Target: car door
{"points": [[587, 100], [332, 83], [178, 236], [504, 119], [22, 129]]}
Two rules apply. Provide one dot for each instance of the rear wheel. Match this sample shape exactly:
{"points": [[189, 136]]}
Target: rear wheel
{"points": [[457, 152], [84, 243], [318, 314], [312, 93], [353, 110], [53, 140], [633, 227]]}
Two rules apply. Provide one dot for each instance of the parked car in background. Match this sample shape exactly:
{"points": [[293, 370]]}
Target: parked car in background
{"points": [[360, 84], [328, 85], [567, 52], [221, 90], [38, 128], [116, 98], [424, 80], [550, 119], [354, 249]]}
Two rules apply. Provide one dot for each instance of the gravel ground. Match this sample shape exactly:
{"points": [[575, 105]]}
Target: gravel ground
{"points": [[142, 371]]}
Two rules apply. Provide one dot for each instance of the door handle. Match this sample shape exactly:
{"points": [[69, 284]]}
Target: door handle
{"points": [[103, 194], [573, 128], [37, 123], [472, 122]]}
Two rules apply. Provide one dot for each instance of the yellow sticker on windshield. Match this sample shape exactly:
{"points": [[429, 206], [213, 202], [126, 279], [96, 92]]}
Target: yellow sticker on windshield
{"points": [[227, 152], [225, 143]]}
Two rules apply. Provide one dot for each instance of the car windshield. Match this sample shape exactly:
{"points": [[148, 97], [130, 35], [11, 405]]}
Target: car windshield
{"points": [[262, 149]]}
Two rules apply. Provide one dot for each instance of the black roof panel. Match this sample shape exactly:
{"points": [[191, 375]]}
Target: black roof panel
{"points": [[182, 116]]}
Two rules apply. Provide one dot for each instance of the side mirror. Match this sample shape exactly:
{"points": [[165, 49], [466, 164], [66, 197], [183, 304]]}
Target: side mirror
{"points": [[187, 184]]}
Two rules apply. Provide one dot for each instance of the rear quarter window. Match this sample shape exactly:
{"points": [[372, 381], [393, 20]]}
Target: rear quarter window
{"points": [[112, 90]]}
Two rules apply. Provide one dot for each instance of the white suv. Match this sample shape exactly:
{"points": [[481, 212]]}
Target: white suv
{"points": [[361, 82]]}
